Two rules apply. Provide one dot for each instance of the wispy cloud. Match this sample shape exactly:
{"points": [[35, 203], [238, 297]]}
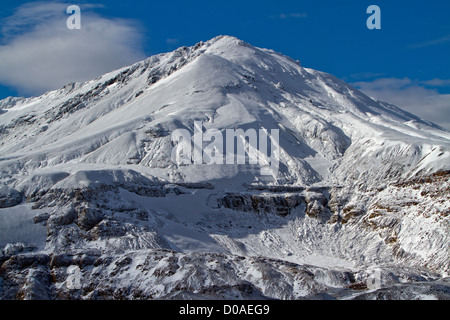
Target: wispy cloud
{"points": [[38, 52], [430, 43], [363, 76], [172, 40], [437, 82], [295, 15], [417, 97]]}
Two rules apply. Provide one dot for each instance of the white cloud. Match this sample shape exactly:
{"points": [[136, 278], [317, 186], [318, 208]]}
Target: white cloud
{"points": [[39, 53], [412, 96]]}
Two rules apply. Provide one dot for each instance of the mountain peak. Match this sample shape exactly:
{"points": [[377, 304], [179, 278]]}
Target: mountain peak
{"points": [[226, 39], [225, 83]]}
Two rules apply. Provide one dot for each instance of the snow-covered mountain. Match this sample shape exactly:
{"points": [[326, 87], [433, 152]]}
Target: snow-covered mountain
{"points": [[95, 207]]}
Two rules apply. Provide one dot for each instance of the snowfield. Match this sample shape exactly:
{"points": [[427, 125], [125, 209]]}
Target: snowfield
{"points": [[92, 205]]}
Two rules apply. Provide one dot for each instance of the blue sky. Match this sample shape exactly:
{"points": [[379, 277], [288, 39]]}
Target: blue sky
{"points": [[406, 62]]}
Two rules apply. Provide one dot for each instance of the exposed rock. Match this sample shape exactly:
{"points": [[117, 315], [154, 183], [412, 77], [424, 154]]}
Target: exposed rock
{"points": [[437, 290], [261, 204], [89, 217], [9, 197], [12, 249]]}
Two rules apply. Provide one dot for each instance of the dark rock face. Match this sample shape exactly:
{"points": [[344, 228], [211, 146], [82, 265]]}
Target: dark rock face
{"points": [[438, 290], [9, 197], [133, 261], [315, 204], [25, 277], [151, 274], [275, 204]]}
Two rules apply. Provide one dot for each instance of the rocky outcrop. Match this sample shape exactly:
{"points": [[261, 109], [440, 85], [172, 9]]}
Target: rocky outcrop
{"points": [[9, 197], [150, 275], [281, 205]]}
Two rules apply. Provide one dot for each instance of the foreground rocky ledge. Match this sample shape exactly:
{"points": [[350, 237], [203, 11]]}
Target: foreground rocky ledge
{"points": [[164, 274]]}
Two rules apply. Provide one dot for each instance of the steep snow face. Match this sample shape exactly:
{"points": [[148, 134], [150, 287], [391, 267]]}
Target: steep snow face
{"points": [[361, 184], [126, 118]]}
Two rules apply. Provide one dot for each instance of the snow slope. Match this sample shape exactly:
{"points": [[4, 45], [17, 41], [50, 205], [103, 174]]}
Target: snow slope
{"points": [[362, 185]]}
